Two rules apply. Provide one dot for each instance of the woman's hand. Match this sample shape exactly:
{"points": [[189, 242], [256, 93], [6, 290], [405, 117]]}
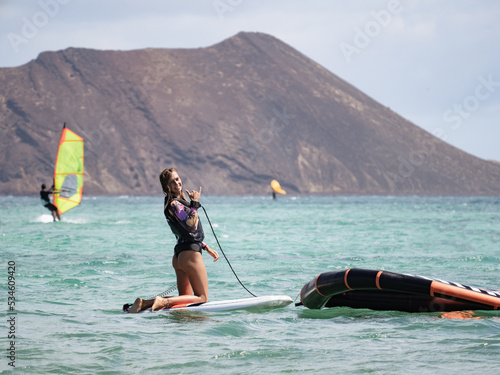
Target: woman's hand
{"points": [[194, 195], [212, 253]]}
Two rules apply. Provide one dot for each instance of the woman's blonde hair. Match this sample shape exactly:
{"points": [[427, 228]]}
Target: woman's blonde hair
{"points": [[165, 176]]}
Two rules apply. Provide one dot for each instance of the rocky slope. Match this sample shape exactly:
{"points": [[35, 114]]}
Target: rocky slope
{"points": [[230, 117]]}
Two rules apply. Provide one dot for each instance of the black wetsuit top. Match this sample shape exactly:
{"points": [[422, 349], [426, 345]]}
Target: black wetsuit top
{"points": [[44, 195], [185, 224]]}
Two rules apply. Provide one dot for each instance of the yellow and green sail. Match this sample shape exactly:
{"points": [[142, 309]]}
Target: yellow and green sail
{"points": [[68, 172]]}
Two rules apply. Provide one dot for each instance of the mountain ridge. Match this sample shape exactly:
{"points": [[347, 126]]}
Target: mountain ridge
{"points": [[230, 117]]}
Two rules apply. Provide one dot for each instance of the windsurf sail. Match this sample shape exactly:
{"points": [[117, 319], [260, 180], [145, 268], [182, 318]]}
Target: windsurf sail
{"points": [[68, 172], [275, 185]]}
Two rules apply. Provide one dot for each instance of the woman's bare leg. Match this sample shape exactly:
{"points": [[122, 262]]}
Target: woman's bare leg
{"points": [[183, 284], [141, 304], [191, 277]]}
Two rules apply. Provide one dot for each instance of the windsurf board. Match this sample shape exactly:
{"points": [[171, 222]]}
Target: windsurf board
{"points": [[249, 304]]}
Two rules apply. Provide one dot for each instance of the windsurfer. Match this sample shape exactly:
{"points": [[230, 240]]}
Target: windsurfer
{"points": [[182, 216], [44, 195], [275, 186]]}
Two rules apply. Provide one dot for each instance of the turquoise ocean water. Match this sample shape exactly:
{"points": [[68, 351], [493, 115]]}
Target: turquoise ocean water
{"points": [[72, 278]]}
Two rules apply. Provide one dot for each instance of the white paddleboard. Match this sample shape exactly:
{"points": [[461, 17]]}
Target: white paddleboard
{"points": [[254, 303]]}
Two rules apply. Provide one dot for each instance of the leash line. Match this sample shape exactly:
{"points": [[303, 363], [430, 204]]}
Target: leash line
{"points": [[166, 292], [222, 251]]}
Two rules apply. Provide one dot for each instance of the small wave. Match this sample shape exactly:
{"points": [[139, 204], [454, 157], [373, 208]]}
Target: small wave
{"points": [[74, 220], [44, 219], [121, 222], [49, 219]]}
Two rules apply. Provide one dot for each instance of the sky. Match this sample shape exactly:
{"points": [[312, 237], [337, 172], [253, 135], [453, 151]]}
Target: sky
{"points": [[436, 63]]}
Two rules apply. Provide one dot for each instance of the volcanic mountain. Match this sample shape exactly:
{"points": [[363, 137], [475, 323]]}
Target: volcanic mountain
{"points": [[230, 117]]}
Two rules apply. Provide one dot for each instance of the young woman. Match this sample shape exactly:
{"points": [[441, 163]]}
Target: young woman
{"points": [[182, 216]]}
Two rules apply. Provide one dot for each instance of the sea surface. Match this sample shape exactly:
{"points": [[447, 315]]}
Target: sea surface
{"points": [[72, 277]]}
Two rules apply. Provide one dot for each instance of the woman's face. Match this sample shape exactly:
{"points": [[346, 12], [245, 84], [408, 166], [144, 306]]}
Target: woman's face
{"points": [[175, 184]]}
